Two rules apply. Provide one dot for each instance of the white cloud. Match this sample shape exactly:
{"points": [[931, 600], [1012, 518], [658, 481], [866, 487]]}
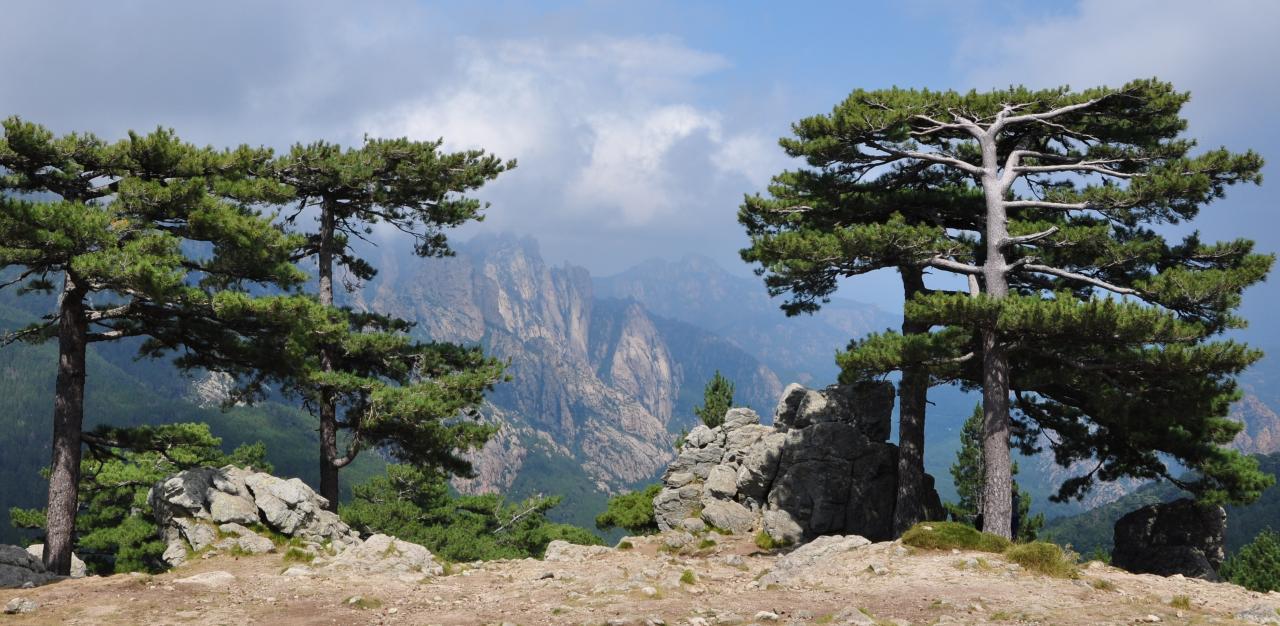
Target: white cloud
{"points": [[1224, 53], [604, 118]]}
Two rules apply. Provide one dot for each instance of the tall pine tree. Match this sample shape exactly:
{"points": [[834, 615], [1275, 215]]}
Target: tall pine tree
{"points": [[1068, 181], [828, 222], [139, 237], [416, 188]]}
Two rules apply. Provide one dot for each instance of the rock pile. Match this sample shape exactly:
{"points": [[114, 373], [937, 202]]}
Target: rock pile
{"points": [[823, 468], [207, 506], [234, 509], [18, 569], [1179, 537]]}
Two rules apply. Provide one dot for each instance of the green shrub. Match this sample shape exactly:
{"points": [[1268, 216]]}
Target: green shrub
{"points": [[1043, 557], [632, 511], [688, 577], [1257, 565], [115, 531], [952, 535], [765, 541], [417, 506], [625, 545], [297, 555]]}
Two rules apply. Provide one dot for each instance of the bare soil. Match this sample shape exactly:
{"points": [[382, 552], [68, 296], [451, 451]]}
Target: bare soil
{"points": [[891, 583]]}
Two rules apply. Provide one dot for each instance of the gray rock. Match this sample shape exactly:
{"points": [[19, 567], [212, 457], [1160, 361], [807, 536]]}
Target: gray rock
{"points": [[564, 551], [299, 571], [19, 569], [189, 504], [693, 525], [722, 483], [854, 616], [385, 554], [671, 506], [677, 540], [20, 606], [285, 505], [208, 580], [198, 534], [760, 466], [1179, 537], [1259, 614], [78, 568], [808, 556], [226, 507], [739, 417], [728, 515], [822, 468]]}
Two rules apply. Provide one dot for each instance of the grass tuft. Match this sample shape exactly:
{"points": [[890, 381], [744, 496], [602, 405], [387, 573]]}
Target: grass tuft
{"points": [[1102, 584], [707, 543], [363, 603], [952, 536], [765, 541], [298, 555], [1184, 602], [625, 545], [688, 577], [1043, 557]]}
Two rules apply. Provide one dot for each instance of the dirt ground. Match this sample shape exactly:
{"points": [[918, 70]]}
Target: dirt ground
{"points": [[718, 585]]}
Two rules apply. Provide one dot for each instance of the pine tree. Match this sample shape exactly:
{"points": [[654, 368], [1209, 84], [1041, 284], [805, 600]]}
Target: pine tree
{"points": [[143, 235], [1069, 183], [967, 474], [1256, 566], [115, 530], [415, 188], [828, 222], [415, 505], [717, 399]]}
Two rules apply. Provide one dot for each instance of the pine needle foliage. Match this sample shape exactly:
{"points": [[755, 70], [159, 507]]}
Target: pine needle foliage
{"points": [[115, 530], [416, 505], [140, 236], [1047, 202], [717, 399]]}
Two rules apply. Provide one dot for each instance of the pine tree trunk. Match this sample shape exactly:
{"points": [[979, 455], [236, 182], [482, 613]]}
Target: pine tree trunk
{"points": [[997, 472], [913, 393], [328, 403], [68, 420], [997, 513]]}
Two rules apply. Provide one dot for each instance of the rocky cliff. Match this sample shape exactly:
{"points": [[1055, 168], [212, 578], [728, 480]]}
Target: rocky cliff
{"points": [[600, 382]]}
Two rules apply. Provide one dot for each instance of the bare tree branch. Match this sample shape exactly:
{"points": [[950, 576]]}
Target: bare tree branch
{"points": [[1089, 280], [1022, 239]]}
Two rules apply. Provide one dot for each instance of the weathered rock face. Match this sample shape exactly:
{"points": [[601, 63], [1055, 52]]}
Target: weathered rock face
{"points": [[596, 381], [209, 508], [19, 569], [1179, 537], [823, 468]]}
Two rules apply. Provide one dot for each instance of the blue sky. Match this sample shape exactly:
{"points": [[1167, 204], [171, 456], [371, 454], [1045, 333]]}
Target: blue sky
{"points": [[638, 125]]}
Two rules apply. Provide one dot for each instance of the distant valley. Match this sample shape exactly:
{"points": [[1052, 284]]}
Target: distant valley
{"points": [[605, 373]]}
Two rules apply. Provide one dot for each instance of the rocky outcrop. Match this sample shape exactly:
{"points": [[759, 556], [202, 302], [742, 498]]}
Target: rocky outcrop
{"points": [[1179, 537], [224, 509], [207, 506], [18, 569], [823, 468]]}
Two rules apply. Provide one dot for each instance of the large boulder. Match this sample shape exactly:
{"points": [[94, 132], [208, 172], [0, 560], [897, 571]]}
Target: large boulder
{"points": [[823, 468], [1179, 537], [384, 554], [206, 506], [78, 568], [19, 569]]}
